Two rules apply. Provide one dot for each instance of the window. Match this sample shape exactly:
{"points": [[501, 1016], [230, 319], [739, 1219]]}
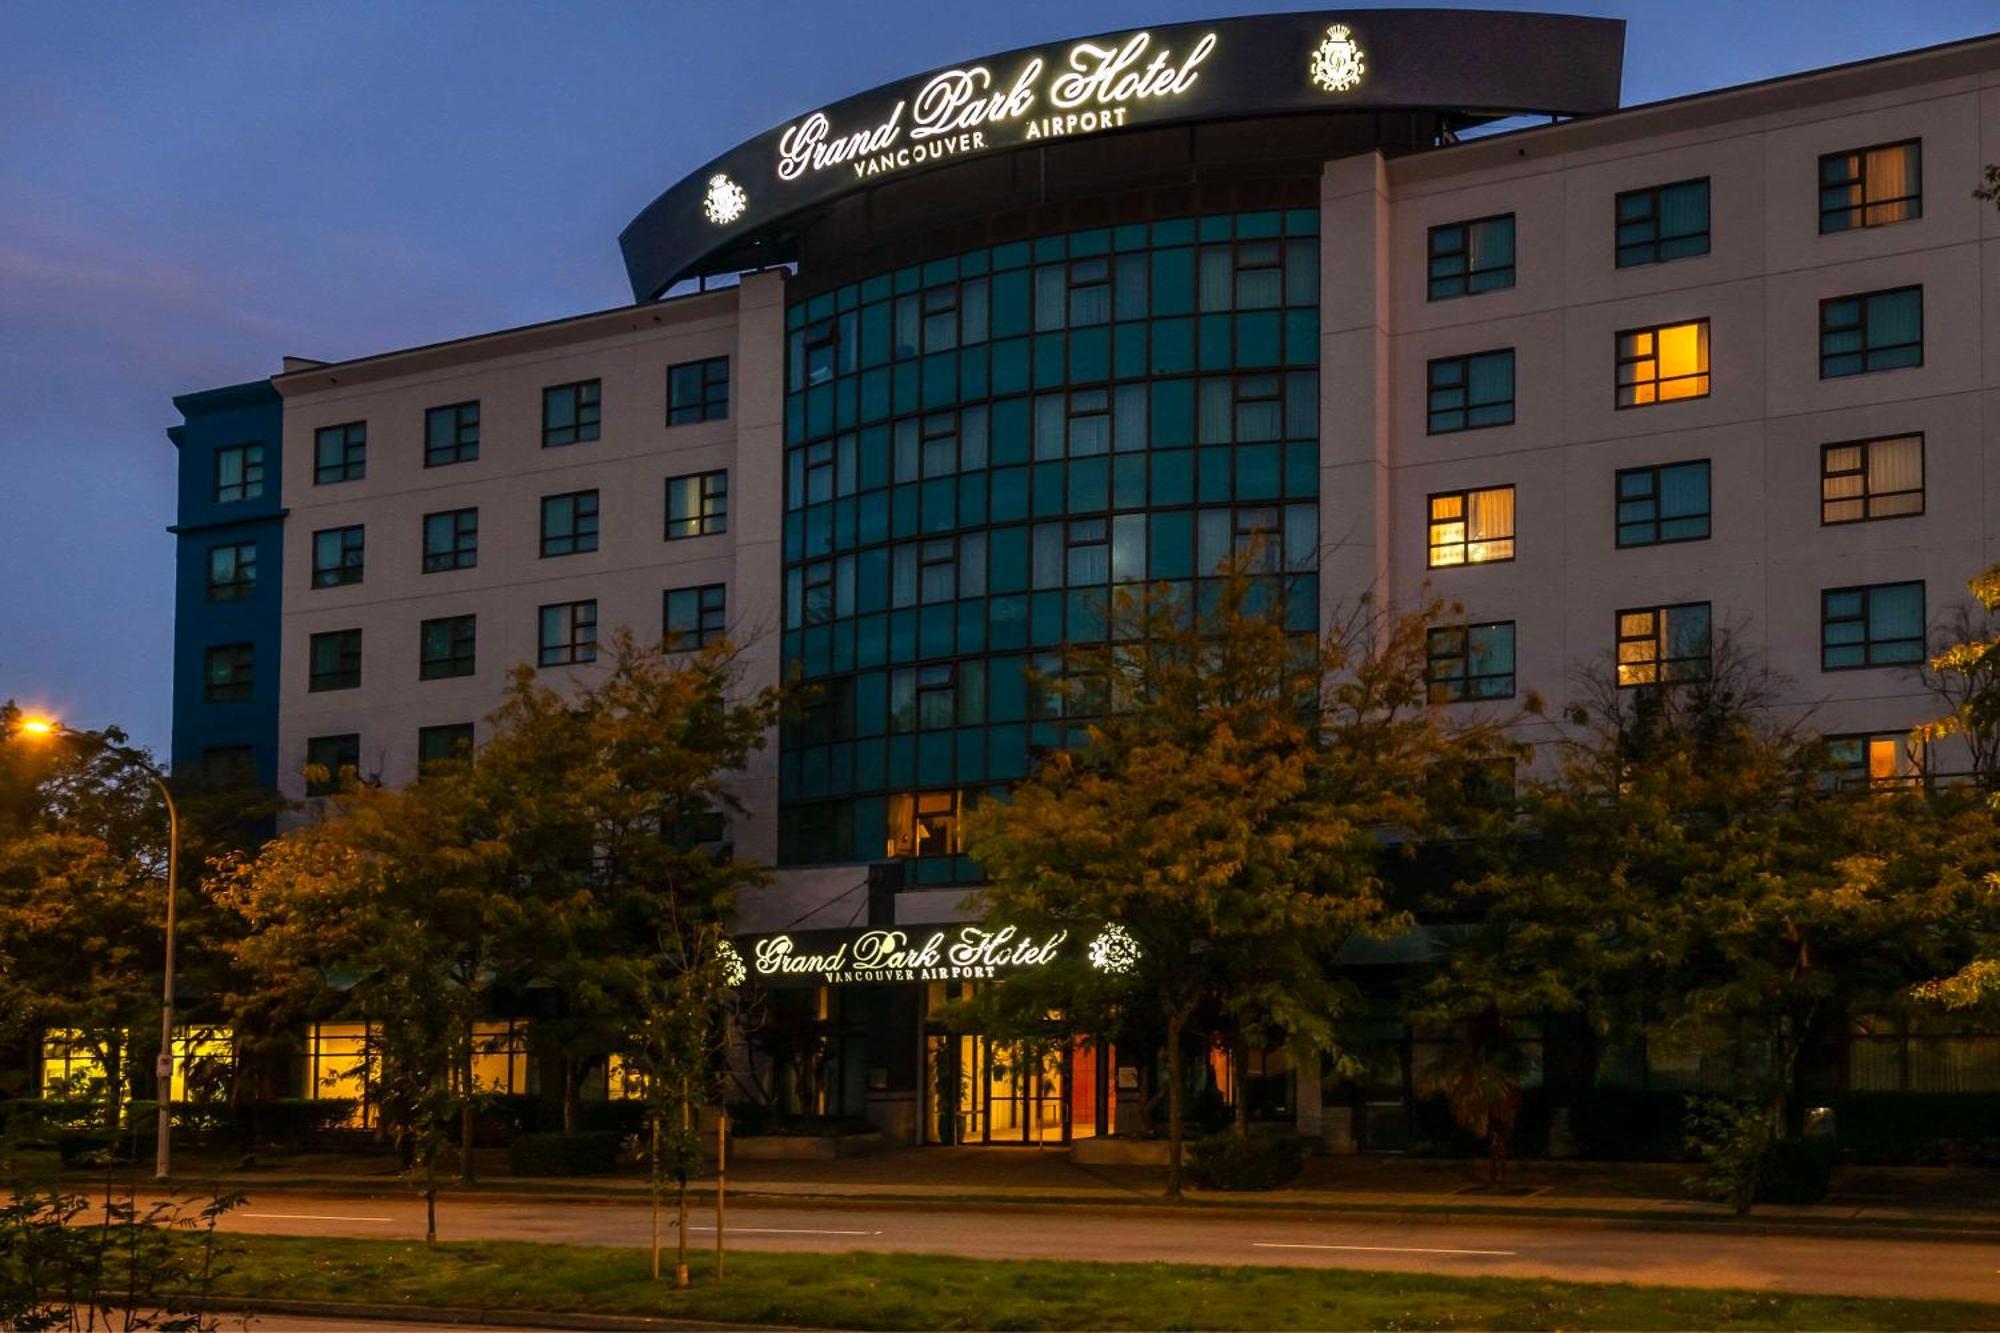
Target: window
{"points": [[1660, 364], [1871, 187], [1880, 625], [1657, 505], [446, 647], [697, 505], [1662, 223], [570, 413], [451, 540], [453, 740], [1663, 645], [340, 453], [334, 661], [239, 473], [1469, 662], [569, 523], [1468, 392], [1472, 527], [337, 556], [1467, 258], [698, 391], [1871, 331], [451, 434], [332, 761], [229, 672], [568, 634], [695, 616], [1869, 479], [1875, 759], [232, 571], [925, 824]]}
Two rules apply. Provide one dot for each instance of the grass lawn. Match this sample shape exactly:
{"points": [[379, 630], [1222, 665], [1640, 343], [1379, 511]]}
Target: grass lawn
{"points": [[881, 1291]]}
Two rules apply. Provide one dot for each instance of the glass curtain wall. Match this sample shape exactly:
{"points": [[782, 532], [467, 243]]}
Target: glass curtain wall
{"points": [[978, 450]]}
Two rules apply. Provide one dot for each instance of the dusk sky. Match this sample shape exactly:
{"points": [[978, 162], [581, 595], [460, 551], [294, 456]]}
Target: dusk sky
{"points": [[190, 192]]}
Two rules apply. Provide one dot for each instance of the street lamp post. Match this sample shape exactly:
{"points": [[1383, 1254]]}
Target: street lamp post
{"points": [[163, 1067]]}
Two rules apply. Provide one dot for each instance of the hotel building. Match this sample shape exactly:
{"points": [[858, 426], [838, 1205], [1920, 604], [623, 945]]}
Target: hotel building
{"points": [[909, 382]]}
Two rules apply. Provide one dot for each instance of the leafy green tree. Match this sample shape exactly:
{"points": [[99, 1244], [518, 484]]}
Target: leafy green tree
{"points": [[1686, 871], [1223, 796]]}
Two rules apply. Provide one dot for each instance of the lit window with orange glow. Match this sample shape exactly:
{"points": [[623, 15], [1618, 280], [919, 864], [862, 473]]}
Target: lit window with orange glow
{"points": [[1471, 527], [1662, 363], [1663, 645], [925, 823]]}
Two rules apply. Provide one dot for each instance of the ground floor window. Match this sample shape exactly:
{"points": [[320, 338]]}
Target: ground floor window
{"points": [[338, 1065], [500, 1057], [1923, 1053]]}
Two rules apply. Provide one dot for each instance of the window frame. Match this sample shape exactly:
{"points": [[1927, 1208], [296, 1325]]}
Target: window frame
{"points": [[1457, 687], [1465, 278], [711, 504], [241, 683], [1619, 500], [1466, 406], [1859, 211], [464, 550], [348, 742], [576, 515], [712, 401], [1660, 637], [460, 733], [586, 409], [1621, 360], [461, 449], [240, 587], [462, 656], [1655, 195], [249, 487], [575, 649], [319, 575], [353, 445], [1868, 643], [1868, 351], [1867, 498], [346, 671], [703, 632], [1464, 520]]}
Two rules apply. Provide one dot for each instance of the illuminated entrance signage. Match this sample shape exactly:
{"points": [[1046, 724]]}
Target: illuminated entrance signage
{"points": [[956, 110], [945, 953], [1437, 70]]}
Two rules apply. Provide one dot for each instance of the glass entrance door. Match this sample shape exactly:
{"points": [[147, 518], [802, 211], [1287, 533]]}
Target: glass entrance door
{"points": [[987, 1091]]}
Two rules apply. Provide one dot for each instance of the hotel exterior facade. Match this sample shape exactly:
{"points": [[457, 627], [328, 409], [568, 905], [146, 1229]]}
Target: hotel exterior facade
{"points": [[996, 339]]}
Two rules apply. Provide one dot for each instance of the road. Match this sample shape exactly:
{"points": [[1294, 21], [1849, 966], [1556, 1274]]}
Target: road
{"points": [[1584, 1253]]}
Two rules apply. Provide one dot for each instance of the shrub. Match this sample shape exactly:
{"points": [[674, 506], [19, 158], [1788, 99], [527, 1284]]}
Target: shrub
{"points": [[1918, 1128], [293, 1121], [93, 1147], [624, 1117], [1227, 1162], [1796, 1171], [591, 1154], [1629, 1125]]}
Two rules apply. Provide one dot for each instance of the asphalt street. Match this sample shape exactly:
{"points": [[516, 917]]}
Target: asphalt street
{"points": [[1856, 1266]]}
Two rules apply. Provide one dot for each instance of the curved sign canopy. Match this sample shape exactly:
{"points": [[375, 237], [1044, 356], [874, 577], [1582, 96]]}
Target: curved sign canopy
{"points": [[1473, 63]]}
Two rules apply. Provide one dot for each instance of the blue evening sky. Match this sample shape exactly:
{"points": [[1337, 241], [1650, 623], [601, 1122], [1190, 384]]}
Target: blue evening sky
{"points": [[190, 191]]}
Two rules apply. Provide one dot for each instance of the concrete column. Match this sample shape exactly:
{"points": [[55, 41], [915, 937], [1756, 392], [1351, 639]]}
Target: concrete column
{"points": [[1308, 1120], [756, 518]]}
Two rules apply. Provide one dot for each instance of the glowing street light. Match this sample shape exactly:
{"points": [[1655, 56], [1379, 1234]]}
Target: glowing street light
{"points": [[47, 728]]}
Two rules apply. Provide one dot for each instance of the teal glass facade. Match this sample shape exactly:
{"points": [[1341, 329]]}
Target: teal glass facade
{"points": [[978, 449]]}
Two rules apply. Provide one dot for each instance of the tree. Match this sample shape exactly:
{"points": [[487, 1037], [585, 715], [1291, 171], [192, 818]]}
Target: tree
{"points": [[1222, 795], [1479, 1074], [386, 908], [83, 858], [1688, 873]]}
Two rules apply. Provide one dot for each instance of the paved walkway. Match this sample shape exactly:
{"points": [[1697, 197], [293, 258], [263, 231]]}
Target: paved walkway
{"points": [[1944, 1199]]}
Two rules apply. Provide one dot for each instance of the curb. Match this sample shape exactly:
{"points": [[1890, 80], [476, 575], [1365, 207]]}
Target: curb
{"points": [[456, 1314], [1437, 1215]]}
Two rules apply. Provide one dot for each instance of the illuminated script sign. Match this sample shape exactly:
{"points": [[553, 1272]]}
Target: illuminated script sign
{"points": [[946, 953], [1092, 90]]}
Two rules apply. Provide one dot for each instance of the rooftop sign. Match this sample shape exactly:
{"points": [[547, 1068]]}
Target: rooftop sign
{"points": [[1473, 62]]}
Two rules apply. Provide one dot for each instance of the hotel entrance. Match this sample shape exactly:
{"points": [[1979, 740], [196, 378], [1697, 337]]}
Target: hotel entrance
{"points": [[980, 1090]]}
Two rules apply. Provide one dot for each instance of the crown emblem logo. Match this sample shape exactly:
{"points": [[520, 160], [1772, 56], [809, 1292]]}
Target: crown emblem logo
{"points": [[1337, 63], [725, 200]]}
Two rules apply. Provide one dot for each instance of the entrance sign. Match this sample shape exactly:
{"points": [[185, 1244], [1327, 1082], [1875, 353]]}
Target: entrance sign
{"points": [[745, 207], [881, 954]]}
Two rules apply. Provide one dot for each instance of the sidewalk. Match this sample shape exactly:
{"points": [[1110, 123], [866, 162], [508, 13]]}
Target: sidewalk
{"points": [[1939, 1200]]}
